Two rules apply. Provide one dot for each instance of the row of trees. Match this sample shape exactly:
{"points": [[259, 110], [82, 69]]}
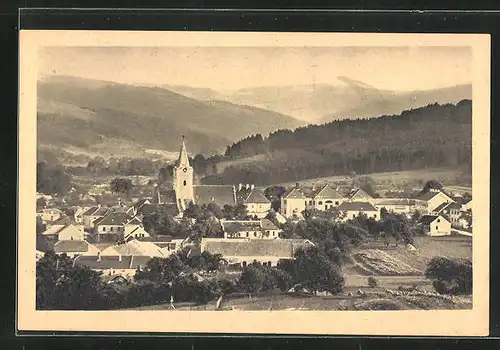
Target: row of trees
{"points": [[99, 166], [52, 179]]}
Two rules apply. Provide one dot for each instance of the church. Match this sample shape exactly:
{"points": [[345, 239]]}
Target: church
{"points": [[184, 190]]}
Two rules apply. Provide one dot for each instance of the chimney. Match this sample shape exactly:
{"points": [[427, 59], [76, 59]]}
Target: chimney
{"points": [[247, 186], [119, 257], [297, 185], [313, 186], [240, 186], [252, 187]]}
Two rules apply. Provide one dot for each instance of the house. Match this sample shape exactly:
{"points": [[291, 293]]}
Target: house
{"points": [[184, 191], [358, 195], [257, 204], [111, 228], [467, 205], [113, 265], [395, 205], [92, 215], [79, 211], [243, 252], [435, 225], [353, 209], [63, 233], [293, 203], [50, 215], [452, 210], [162, 241], [251, 229], [136, 247], [75, 247], [427, 202], [137, 206]]}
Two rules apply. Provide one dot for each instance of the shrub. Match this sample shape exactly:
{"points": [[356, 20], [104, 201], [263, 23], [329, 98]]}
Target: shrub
{"points": [[372, 282], [450, 276]]}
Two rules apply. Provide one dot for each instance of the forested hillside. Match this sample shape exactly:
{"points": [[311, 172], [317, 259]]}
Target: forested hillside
{"points": [[431, 136]]}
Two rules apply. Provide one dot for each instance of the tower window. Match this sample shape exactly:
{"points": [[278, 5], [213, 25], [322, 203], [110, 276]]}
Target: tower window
{"points": [[184, 182]]}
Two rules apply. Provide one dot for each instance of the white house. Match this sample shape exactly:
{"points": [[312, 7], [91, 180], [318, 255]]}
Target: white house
{"points": [[111, 228], [50, 215], [75, 247], [358, 195], [251, 229], [395, 205], [353, 209], [429, 201], [63, 233], [324, 199], [293, 203], [257, 204], [244, 252], [435, 225]]}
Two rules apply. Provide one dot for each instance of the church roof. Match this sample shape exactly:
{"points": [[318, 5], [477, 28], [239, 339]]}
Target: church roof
{"points": [[256, 196], [218, 194], [183, 160]]}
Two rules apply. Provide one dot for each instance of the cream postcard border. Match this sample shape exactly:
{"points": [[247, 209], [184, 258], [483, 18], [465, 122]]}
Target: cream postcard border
{"points": [[473, 322]]}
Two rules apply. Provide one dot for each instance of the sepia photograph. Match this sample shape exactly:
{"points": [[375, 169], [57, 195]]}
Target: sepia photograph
{"points": [[234, 182]]}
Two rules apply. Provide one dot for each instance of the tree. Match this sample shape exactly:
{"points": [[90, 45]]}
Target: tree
{"points": [[314, 270], [62, 286], [274, 194], [256, 278], [450, 276], [431, 184], [121, 185], [372, 282], [52, 179]]}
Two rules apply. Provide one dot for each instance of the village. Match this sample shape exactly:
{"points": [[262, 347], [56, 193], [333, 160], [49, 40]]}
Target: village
{"points": [[119, 240]]}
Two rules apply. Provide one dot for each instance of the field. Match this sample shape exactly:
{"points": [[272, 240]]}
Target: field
{"points": [[392, 180]]}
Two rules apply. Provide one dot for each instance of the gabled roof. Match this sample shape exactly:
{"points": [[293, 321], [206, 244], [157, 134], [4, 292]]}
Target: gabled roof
{"points": [[431, 194], [454, 206], [267, 224], [113, 219], [327, 192], [358, 193], [90, 211], [256, 196], [134, 221], [234, 226], [394, 201], [140, 203], [101, 211], [133, 247], [428, 219], [105, 262], [71, 246], [441, 207], [283, 248], [218, 194], [295, 193], [53, 230], [356, 206]]}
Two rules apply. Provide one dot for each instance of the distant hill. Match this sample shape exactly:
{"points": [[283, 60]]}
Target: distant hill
{"points": [[431, 136], [323, 102], [92, 117]]}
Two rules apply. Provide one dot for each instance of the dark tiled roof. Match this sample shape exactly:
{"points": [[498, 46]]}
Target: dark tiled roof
{"points": [[106, 262], [256, 196], [256, 247], [455, 206], [134, 221], [90, 211], [71, 246], [356, 206], [241, 195], [102, 211], [427, 219], [139, 261], [267, 224], [394, 201], [427, 196], [114, 219], [219, 195], [155, 239], [441, 207], [238, 226]]}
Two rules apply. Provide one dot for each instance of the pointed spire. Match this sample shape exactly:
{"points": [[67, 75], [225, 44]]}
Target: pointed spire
{"points": [[183, 160]]}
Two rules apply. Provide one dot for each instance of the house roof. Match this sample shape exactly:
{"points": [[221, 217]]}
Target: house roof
{"points": [[105, 262], [134, 221], [140, 203], [267, 224], [156, 239], [53, 230], [256, 196], [294, 193], [327, 192], [357, 193], [218, 194], [90, 211], [234, 226], [394, 201], [431, 194], [134, 247], [356, 206], [274, 248], [441, 207], [139, 261], [114, 219], [71, 246], [428, 219]]}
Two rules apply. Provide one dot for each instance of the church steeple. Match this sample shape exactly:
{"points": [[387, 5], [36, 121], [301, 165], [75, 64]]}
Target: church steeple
{"points": [[183, 178], [183, 160]]}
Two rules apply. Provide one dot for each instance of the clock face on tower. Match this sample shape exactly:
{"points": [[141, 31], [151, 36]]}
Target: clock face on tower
{"points": [[184, 170]]}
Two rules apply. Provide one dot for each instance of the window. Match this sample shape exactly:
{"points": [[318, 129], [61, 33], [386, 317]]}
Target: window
{"points": [[320, 202], [184, 182], [111, 229], [247, 234], [103, 229], [437, 227], [255, 234], [439, 220], [310, 202], [284, 202], [244, 263], [337, 203], [269, 263]]}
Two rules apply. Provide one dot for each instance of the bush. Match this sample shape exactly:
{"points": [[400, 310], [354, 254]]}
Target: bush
{"points": [[372, 282], [450, 276]]}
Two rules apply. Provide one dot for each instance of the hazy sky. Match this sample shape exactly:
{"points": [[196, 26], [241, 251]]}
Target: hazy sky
{"points": [[232, 68]]}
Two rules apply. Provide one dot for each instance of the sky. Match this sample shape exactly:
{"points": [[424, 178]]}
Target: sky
{"points": [[226, 69]]}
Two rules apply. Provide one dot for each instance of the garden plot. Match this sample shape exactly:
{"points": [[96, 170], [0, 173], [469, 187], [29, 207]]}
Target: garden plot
{"points": [[384, 264]]}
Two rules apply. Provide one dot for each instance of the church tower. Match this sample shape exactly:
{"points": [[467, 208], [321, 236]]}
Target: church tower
{"points": [[183, 177]]}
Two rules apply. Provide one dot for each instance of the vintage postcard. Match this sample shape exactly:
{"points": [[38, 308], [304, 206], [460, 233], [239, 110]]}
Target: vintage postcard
{"points": [[282, 183]]}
